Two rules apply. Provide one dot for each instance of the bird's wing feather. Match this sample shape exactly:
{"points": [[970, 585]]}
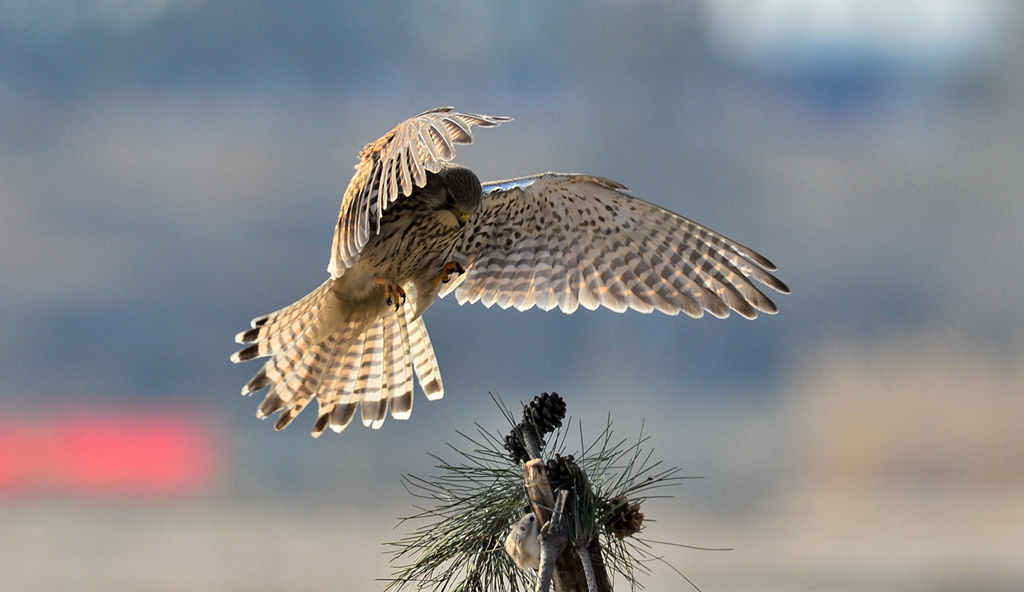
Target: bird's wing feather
{"points": [[389, 168], [574, 240]]}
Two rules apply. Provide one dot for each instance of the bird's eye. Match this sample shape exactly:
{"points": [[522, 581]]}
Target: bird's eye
{"points": [[450, 200]]}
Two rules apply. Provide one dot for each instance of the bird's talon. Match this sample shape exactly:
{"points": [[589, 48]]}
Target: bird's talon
{"points": [[452, 268], [394, 295]]}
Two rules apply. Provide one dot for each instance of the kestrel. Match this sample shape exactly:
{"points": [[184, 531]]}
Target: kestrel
{"points": [[414, 226]]}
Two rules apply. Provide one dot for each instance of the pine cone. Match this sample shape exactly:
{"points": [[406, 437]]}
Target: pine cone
{"points": [[545, 412], [625, 519], [562, 471], [514, 444]]}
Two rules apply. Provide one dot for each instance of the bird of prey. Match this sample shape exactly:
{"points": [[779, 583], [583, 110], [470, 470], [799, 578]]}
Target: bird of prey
{"points": [[415, 226]]}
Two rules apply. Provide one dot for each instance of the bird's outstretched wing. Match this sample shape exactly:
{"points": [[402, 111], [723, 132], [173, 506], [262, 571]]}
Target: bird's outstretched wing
{"points": [[390, 167], [573, 240]]}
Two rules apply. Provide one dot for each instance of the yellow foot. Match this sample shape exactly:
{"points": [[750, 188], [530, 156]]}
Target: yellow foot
{"points": [[451, 268], [394, 294]]}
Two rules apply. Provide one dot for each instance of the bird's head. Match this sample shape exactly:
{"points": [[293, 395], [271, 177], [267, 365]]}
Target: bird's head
{"points": [[458, 194]]}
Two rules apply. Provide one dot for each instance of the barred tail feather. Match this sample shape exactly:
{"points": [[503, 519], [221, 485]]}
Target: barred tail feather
{"points": [[337, 404], [286, 369], [273, 332], [398, 371], [368, 381], [332, 388], [423, 360], [365, 365], [297, 390]]}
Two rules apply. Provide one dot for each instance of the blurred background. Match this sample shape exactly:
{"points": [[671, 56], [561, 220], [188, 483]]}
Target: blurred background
{"points": [[170, 169]]}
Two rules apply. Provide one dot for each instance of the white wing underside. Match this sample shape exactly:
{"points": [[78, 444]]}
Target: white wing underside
{"points": [[559, 240]]}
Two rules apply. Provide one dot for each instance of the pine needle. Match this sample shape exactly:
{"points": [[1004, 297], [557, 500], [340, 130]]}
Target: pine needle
{"points": [[458, 543]]}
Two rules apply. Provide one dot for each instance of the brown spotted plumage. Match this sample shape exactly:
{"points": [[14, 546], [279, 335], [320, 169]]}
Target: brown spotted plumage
{"points": [[413, 226]]}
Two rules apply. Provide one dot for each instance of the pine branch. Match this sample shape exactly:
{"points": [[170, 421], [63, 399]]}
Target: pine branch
{"points": [[471, 504], [553, 540], [588, 566]]}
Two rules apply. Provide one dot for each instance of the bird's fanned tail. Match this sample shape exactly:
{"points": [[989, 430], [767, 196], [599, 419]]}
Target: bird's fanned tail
{"points": [[368, 364]]}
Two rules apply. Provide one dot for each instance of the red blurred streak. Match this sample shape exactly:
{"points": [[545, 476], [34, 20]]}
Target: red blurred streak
{"points": [[165, 454]]}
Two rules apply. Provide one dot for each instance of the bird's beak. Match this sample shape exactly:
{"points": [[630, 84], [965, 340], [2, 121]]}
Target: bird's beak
{"points": [[460, 216]]}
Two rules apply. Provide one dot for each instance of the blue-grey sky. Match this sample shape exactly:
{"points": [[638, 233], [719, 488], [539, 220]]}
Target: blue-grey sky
{"points": [[171, 169]]}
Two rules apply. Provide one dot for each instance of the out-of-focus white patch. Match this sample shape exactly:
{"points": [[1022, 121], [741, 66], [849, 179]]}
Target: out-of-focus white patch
{"points": [[41, 21], [941, 35]]}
